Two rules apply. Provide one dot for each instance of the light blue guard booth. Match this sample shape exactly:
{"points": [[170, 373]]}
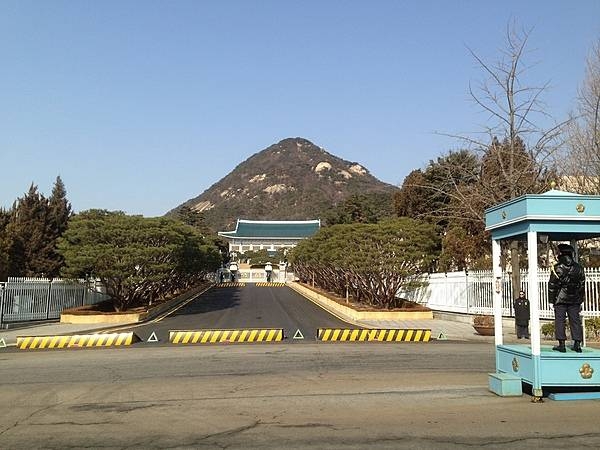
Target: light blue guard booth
{"points": [[555, 216]]}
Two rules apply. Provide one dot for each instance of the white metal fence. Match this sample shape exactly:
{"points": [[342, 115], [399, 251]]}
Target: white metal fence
{"points": [[29, 299], [471, 293]]}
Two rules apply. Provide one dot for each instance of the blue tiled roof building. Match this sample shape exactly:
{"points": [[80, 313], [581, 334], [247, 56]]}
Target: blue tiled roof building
{"points": [[269, 234]]}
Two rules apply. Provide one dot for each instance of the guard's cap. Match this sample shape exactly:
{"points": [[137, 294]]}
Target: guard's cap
{"points": [[566, 248]]}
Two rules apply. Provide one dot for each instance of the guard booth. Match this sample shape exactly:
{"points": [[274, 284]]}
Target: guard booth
{"points": [[554, 216]]}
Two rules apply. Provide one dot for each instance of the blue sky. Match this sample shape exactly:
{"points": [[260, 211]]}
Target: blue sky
{"points": [[142, 105]]}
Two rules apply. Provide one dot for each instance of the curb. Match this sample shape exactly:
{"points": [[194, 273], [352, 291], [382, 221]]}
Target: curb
{"points": [[112, 320], [349, 314]]}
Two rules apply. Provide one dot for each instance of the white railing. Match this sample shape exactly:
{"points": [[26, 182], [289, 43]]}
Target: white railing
{"points": [[471, 293]]}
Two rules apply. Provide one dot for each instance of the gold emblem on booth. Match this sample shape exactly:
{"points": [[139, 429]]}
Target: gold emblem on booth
{"points": [[580, 208], [515, 365], [586, 371]]}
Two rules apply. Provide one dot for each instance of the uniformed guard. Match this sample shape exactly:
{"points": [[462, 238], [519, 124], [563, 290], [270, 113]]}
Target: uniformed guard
{"points": [[521, 307], [233, 267], [269, 271], [566, 291]]}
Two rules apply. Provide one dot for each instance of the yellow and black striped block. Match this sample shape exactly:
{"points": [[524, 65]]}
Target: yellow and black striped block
{"points": [[229, 285], [76, 341], [272, 284], [372, 335], [222, 336]]}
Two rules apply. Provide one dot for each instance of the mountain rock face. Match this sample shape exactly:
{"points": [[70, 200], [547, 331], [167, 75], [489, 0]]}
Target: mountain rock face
{"points": [[291, 180]]}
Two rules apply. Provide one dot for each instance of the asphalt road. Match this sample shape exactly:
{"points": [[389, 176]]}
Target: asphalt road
{"points": [[273, 396], [245, 307]]}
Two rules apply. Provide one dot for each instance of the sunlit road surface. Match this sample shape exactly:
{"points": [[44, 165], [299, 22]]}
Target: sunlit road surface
{"points": [[243, 308], [273, 396]]}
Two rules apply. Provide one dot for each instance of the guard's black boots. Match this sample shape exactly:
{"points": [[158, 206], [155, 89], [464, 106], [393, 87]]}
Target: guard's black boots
{"points": [[560, 347], [576, 346]]}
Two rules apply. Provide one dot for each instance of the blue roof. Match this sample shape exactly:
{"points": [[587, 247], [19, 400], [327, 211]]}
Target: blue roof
{"points": [[561, 215], [291, 229]]}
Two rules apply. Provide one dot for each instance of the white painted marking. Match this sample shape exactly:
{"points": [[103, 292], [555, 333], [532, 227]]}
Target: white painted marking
{"points": [[298, 334]]}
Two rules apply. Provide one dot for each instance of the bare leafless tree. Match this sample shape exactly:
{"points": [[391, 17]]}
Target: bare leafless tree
{"points": [[515, 146], [517, 119], [582, 165]]}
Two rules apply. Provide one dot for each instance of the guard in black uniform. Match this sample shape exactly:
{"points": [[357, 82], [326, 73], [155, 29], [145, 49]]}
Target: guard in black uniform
{"points": [[269, 271], [521, 306], [566, 291]]}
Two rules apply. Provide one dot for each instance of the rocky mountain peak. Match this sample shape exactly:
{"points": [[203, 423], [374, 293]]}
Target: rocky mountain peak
{"points": [[293, 179]]}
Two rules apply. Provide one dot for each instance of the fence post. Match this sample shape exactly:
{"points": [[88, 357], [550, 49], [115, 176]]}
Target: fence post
{"points": [[467, 291], [84, 292], [583, 326], [1, 303], [48, 299]]}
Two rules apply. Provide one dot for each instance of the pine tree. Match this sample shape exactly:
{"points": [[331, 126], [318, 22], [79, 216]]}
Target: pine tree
{"points": [[197, 220], [59, 212], [4, 243], [29, 250]]}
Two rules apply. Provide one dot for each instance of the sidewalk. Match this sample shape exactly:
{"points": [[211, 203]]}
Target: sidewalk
{"points": [[445, 329]]}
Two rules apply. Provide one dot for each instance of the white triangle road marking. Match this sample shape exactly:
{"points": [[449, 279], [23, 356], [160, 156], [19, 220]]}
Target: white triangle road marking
{"points": [[298, 334], [153, 337]]}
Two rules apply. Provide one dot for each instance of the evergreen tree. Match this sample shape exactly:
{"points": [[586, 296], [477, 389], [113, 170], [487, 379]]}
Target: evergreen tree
{"points": [[410, 200], [4, 243], [372, 261], [370, 207], [197, 220], [138, 259], [59, 212], [29, 251]]}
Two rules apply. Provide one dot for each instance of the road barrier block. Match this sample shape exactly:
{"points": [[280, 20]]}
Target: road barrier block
{"points": [[230, 285], [373, 335], [273, 284], [225, 336], [76, 341]]}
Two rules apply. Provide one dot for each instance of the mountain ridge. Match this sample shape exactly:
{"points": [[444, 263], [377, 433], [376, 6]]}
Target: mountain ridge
{"points": [[292, 179]]}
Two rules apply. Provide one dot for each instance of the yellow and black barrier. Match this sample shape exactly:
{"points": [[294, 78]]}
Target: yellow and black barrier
{"points": [[224, 336], [230, 284], [76, 341], [271, 284], [372, 335]]}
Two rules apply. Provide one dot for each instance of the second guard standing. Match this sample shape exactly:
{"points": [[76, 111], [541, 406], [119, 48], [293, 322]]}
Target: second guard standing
{"points": [[522, 315]]}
